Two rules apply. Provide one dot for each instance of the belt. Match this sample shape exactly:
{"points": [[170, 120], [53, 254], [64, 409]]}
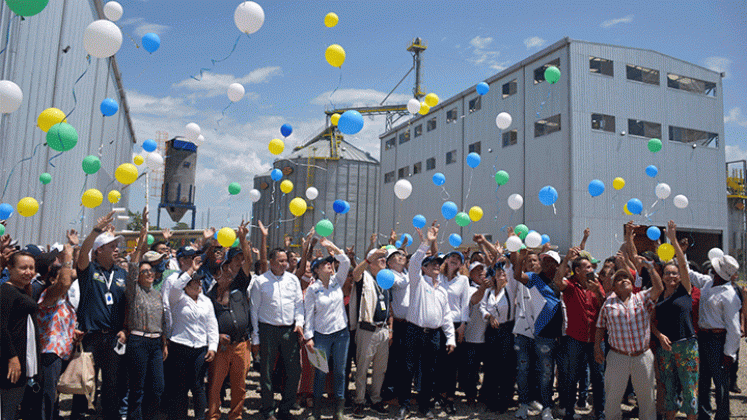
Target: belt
{"points": [[426, 330], [145, 334], [713, 330], [367, 326], [630, 354], [400, 320]]}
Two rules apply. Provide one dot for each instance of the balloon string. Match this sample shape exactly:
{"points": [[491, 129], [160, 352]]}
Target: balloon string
{"points": [[554, 210], [214, 61], [444, 192], [339, 82], [223, 114], [7, 34], [53, 157], [129, 36], [443, 232], [469, 187], [10, 175], [75, 98]]}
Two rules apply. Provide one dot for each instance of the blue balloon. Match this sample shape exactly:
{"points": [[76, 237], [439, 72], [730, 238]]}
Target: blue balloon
{"points": [[6, 210], [286, 130], [439, 178], [385, 278], [409, 239], [109, 107], [449, 210], [398, 244], [341, 206], [652, 232], [596, 188], [548, 195], [482, 88], [419, 221], [473, 159], [652, 171], [350, 122], [545, 239], [149, 145], [276, 174], [151, 42], [635, 206], [455, 240]]}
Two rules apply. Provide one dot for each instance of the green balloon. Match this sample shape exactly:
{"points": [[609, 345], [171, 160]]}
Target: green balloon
{"points": [[522, 230], [62, 137], [654, 145], [462, 219], [45, 178], [91, 164], [235, 243], [552, 74], [234, 188], [2, 230], [501, 177], [388, 247], [26, 7], [324, 227], [151, 239]]}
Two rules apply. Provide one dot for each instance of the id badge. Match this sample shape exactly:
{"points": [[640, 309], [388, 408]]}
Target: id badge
{"points": [[109, 298], [382, 304]]}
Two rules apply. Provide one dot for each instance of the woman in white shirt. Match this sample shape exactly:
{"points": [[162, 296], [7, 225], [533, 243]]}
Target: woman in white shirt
{"points": [[193, 342], [326, 326]]}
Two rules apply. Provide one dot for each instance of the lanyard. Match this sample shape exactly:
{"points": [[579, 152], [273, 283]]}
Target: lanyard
{"points": [[110, 280]]}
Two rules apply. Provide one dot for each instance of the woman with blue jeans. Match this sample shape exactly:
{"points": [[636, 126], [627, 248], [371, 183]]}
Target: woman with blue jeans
{"points": [[326, 322]]}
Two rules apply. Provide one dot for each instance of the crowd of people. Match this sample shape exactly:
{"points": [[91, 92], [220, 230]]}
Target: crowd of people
{"points": [[505, 329]]}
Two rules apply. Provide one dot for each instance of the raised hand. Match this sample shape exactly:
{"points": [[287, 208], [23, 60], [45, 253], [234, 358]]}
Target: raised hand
{"points": [[287, 241], [262, 228], [72, 237], [208, 233], [103, 222], [433, 232], [242, 231], [167, 234], [672, 231]]}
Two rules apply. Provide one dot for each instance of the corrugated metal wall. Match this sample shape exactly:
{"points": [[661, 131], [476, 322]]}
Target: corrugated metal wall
{"points": [[35, 60]]}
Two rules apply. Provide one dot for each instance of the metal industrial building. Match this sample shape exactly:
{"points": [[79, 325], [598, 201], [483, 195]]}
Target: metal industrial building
{"points": [[594, 123], [338, 170], [45, 57]]}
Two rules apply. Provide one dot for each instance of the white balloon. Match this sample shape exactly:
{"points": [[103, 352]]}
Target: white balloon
{"points": [[254, 195], [413, 105], [193, 131], [663, 191], [113, 11], [715, 253], [515, 201], [680, 201], [235, 92], [154, 161], [199, 140], [102, 38], [513, 243], [11, 97], [503, 120], [312, 193], [249, 17], [533, 240], [402, 189]]}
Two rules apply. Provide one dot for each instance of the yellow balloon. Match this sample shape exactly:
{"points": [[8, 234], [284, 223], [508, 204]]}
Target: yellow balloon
{"points": [[276, 146], [114, 196], [286, 186], [475, 213], [334, 118], [27, 206], [297, 206], [226, 237], [335, 55], [626, 211], [138, 160], [665, 252], [431, 99], [126, 173], [424, 108], [330, 20], [50, 117], [618, 183], [92, 198]]}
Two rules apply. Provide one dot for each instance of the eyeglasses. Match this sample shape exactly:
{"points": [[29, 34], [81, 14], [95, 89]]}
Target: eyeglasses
{"points": [[147, 272]]}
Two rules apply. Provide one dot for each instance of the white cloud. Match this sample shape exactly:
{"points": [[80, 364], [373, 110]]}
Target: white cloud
{"points": [[358, 97], [735, 116], [160, 106], [481, 43], [612, 22], [211, 84], [481, 55], [143, 27], [735, 153], [534, 42], [719, 64]]}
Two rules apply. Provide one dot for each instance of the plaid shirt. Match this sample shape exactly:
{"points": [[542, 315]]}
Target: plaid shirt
{"points": [[628, 325]]}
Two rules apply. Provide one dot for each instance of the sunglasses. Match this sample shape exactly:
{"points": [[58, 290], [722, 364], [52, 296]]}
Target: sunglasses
{"points": [[147, 272]]}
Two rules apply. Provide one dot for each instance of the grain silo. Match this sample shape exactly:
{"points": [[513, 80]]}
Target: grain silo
{"points": [[178, 192]]}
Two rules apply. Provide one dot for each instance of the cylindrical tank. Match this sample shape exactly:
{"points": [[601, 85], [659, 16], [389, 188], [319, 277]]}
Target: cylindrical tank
{"points": [[178, 192]]}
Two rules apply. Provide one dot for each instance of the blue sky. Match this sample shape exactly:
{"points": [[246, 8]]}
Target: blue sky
{"points": [[287, 79]]}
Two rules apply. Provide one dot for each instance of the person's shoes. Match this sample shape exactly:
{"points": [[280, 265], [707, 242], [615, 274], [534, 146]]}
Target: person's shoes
{"points": [[358, 411], [734, 389], [380, 408], [536, 406], [448, 406], [402, 414], [522, 412], [339, 410], [547, 414], [582, 404]]}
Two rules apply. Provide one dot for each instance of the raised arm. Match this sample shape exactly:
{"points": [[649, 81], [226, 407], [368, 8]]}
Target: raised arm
{"points": [[85, 249], [142, 240], [307, 243], [629, 242], [344, 268], [583, 241], [519, 273], [416, 261], [262, 247], [246, 249], [64, 279], [560, 273], [681, 260]]}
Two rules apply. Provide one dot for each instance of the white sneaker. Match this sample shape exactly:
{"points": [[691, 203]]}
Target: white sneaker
{"points": [[547, 414], [522, 412], [535, 406]]}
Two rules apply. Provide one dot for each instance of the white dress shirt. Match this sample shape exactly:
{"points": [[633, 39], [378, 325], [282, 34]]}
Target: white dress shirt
{"points": [[400, 295], [475, 331], [496, 304], [275, 300], [719, 308], [458, 289], [168, 283], [429, 303], [325, 306], [193, 323]]}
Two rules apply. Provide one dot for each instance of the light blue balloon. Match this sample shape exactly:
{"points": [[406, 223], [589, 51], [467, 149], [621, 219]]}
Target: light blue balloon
{"points": [[439, 178], [652, 171], [408, 237], [455, 240], [350, 122], [151, 42], [545, 239], [6, 210], [149, 145], [109, 107], [635, 206], [341, 206], [652, 232], [548, 195], [398, 244], [419, 221], [473, 160], [596, 188], [276, 174], [482, 88], [385, 278], [449, 210]]}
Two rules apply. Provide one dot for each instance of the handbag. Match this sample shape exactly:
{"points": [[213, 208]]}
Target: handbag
{"points": [[79, 377]]}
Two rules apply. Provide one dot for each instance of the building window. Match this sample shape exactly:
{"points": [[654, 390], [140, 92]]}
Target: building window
{"points": [[451, 157], [431, 124], [403, 172], [418, 131], [451, 115], [475, 148], [509, 88], [687, 135], [547, 126], [691, 85], [404, 137], [644, 129], [389, 177], [603, 122], [430, 164], [642, 74], [601, 66], [417, 168], [539, 72], [510, 138], [390, 143], [475, 104]]}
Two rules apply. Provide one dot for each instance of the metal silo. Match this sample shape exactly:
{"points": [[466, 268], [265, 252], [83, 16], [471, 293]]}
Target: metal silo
{"points": [[178, 192]]}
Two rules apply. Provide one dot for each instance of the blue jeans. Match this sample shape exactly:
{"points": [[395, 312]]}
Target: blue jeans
{"points": [[577, 355], [335, 345], [543, 349], [421, 347], [145, 359], [711, 352], [113, 376]]}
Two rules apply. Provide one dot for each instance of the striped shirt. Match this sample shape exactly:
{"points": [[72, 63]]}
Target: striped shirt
{"points": [[628, 324]]}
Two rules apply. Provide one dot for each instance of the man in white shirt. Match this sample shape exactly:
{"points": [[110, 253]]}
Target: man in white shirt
{"points": [[395, 261], [277, 312]]}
